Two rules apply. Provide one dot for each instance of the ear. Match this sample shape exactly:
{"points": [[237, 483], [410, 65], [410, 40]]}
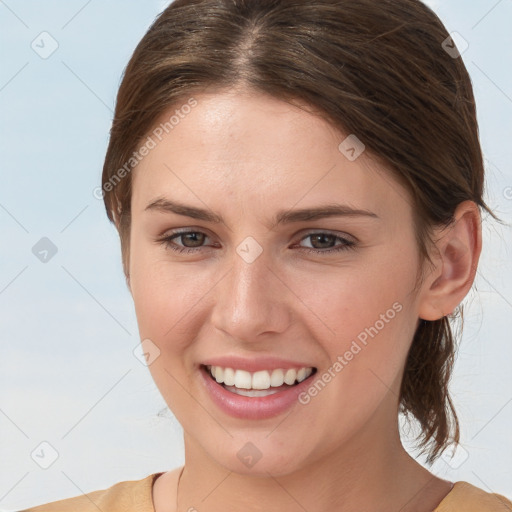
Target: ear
{"points": [[457, 252]]}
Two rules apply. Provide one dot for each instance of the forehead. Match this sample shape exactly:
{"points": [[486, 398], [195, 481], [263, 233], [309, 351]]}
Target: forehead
{"points": [[238, 150]]}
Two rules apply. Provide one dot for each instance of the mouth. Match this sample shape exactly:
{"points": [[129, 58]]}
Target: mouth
{"points": [[258, 384], [255, 395]]}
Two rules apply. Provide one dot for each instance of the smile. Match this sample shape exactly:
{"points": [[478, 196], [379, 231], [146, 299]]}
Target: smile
{"points": [[258, 383], [255, 395]]}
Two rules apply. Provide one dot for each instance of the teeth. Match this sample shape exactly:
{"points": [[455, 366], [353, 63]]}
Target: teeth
{"points": [[260, 380], [251, 392], [229, 376], [277, 378], [290, 376], [218, 374], [243, 379]]}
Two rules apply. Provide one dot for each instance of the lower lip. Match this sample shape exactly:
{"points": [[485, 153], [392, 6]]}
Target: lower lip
{"points": [[253, 408]]}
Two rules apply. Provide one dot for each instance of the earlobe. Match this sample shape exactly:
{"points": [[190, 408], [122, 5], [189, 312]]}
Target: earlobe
{"points": [[458, 251]]}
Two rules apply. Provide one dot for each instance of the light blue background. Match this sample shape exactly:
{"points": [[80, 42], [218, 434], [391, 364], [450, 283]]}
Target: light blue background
{"points": [[68, 329]]}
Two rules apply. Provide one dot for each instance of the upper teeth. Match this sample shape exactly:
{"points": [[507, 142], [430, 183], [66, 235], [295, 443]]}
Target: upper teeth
{"points": [[263, 379]]}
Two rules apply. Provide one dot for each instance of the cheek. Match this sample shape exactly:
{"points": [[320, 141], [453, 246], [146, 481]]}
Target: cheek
{"points": [[365, 310], [164, 303], [152, 293], [158, 308], [167, 300]]}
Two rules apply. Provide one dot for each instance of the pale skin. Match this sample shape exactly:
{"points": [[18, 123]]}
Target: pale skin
{"points": [[246, 156]]}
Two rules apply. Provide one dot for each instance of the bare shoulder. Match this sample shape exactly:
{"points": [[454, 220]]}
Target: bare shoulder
{"points": [[164, 490]]}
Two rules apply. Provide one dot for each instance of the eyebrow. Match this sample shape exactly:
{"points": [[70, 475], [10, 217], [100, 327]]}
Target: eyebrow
{"points": [[282, 217]]}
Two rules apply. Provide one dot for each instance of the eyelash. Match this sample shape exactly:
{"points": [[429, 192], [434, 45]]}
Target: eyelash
{"points": [[168, 243]]}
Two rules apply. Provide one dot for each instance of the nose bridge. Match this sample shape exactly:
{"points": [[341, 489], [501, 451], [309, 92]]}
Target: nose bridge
{"points": [[251, 299]]}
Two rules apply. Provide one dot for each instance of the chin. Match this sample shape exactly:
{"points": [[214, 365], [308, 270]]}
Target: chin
{"points": [[260, 455]]}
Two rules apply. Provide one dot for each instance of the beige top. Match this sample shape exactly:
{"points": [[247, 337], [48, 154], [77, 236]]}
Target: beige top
{"points": [[137, 496]]}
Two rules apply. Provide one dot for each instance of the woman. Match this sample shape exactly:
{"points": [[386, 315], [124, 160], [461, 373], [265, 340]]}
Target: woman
{"points": [[297, 189]]}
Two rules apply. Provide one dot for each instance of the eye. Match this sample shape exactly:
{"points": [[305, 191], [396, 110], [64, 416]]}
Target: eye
{"points": [[327, 239], [194, 238], [193, 241]]}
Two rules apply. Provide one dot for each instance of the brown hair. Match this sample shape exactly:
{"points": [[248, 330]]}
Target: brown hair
{"points": [[375, 69]]}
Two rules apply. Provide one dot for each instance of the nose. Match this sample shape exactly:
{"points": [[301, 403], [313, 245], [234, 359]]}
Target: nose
{"points": [[252, 300]]}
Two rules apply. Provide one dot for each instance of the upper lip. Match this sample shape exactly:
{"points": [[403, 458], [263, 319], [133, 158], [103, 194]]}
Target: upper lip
{"points": [[255, 364]]}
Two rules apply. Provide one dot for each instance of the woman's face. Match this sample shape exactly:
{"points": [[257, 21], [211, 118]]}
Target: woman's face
{"points": [[253, 294]]}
